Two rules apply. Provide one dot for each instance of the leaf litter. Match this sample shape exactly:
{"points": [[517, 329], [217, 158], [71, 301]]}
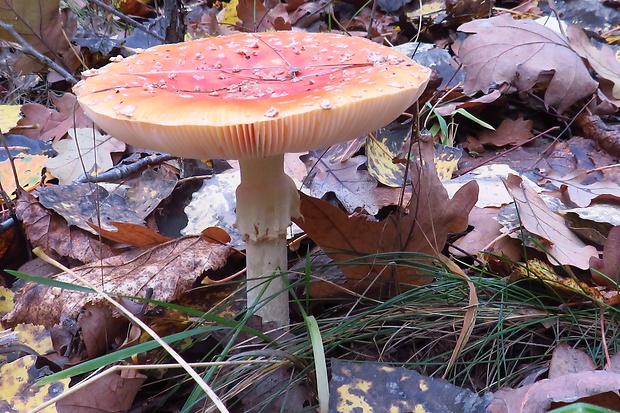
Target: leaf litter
{"points": [[515, 55], [366, 218]]}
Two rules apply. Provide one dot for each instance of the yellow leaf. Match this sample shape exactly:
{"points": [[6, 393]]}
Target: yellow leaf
{"points": [[6, 300], [18, 386], [9, 115], [228, 15]]}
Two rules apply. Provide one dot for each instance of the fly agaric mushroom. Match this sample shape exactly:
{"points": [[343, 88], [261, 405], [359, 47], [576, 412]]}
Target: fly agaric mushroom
{"points": [[253, 97]]}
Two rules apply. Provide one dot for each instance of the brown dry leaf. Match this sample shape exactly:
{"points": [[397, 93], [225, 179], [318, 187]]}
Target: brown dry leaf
{"points": [[112, 393], [45, 28], [509, 132], [305, 13], [606, 271], [423, 228], [567, 360], [48, 230], [537, 397], [602, 60], [169, 269], [51, 123], [132, 234], [582, 195], [518, 54], [562, 246], [486, 237], [256, 17]]}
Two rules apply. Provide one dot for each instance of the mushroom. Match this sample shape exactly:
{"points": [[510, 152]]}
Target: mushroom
{"points": [[253, 97]]}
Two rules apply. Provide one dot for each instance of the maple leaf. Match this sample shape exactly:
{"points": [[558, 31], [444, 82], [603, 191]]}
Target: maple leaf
{"points": [[88, 152], [520, 54], [422, 227], [52, 124]]}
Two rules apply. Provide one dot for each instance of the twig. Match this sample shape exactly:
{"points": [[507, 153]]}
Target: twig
{"points": [[31, 51], [122, 171], [128, 19], [509, 150]]}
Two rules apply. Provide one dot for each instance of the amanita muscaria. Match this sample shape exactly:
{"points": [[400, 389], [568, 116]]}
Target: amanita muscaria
{"points": [[253, 97]]}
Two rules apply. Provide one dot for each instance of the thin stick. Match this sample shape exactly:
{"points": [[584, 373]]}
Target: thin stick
{"points": [[127, 19], [204, 386], [31, 51]]}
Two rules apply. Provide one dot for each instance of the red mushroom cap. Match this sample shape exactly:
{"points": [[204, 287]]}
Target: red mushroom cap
{"points": [[253, 95]]}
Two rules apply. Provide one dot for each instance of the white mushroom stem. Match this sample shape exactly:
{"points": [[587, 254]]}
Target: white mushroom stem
{"points": [[266, 200]]}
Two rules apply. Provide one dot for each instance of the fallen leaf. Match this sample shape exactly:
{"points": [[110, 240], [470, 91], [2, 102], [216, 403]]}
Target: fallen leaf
{"points": [[132, 234], [84, 203], [493, 192], [537, 397], [382, 148], [50, 123], [112, 393], [169, 269], [518, 55], [28, 168], [581, 194], [509, 132], [256, 17], [213, 205], [602, 60], [565, 286], [9, 116], [352, 186], [45, 28], [87, 152], [422, 228], [19, 391], [6, 300], [375, 387], [561, 245], [48, 230], [486, 238], [606, 271], [567, 360]]}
